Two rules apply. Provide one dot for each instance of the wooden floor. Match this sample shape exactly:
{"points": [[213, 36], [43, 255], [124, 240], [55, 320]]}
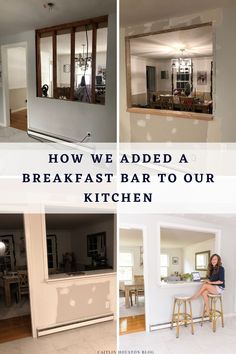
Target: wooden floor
{"points": [[18, 120], [132, 324], [15, 328]]}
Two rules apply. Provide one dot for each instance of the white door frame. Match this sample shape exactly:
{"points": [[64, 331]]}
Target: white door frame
{"points": [[5, 87], [142, 228]]}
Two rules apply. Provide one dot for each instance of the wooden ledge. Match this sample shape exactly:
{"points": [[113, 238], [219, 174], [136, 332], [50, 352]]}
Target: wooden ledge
{"points": [[169, 113]]}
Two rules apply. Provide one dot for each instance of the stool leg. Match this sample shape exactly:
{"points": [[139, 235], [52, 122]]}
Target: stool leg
{"points": [[191, 316], [203, 315], [214, 316], [211, 310], [185, 314], [173, 315], [178, 317], [222, 312]]}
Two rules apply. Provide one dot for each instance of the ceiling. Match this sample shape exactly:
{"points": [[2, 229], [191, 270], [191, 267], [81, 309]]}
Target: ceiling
{"points": [[24, 15], [177, 238], [133, 12], [131, 237], [196, 42]]}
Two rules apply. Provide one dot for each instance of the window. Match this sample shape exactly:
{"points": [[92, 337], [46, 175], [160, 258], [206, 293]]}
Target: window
{"points": [[171, 70], [164, 265], [8, 261], [71, 61], [52, 253], [126, 266]]}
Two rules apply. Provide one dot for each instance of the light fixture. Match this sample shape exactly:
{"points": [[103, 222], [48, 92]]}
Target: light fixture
{"points": [[2, 248], [83, 60], [182, 64], [49, 5]]}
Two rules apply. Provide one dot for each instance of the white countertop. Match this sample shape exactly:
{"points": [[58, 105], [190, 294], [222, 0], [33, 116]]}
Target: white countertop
{"points": [[180, 283]]}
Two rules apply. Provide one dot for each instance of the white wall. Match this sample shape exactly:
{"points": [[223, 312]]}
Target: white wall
{"points": [[16, 68], [70, 119], [189, 254], [160, 311], [51, 301], [174, 252]]}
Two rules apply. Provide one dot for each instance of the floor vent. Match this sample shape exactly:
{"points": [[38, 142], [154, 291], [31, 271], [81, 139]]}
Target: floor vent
{"points": [[72, 325]]}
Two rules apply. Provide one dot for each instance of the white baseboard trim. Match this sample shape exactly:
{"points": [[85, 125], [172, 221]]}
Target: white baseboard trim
{"points": [[72, 325], [18, 110]]}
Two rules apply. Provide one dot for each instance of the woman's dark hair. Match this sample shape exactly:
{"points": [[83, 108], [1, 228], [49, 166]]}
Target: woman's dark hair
{"points": [[213, 270]]}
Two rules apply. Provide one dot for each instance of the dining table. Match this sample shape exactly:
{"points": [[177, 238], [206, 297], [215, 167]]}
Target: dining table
{"points": [[131, 286], [7, 280], [201, 106]]}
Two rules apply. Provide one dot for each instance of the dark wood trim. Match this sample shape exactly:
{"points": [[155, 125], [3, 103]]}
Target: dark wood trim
{"points": [[91, 21], [176, 29], [72, 64], [54, 60], [128, 72], [91, 24], [94, 50], [38, 65]]}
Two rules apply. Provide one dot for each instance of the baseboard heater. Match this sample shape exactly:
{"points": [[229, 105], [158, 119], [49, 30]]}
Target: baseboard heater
{"points": [[72, 325], [168, 324], [57, 139], [47, 137]]}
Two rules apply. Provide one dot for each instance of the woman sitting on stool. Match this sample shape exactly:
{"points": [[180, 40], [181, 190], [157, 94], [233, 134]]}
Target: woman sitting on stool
{"points": [[216, 281]]}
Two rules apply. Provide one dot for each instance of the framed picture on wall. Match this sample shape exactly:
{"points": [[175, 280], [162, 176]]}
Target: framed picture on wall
{"points": [[175, 260], [202, 77]]}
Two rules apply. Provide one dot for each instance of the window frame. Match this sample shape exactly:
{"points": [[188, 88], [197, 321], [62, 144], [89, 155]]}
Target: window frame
{"points": [[153, 111], [92, 24], [130, 266]]}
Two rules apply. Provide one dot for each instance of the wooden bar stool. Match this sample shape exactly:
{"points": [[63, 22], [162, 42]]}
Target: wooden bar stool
{"points": [[215, 312], [181, 316]]}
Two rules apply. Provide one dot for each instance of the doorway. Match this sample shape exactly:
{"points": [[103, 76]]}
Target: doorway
{"points": [[14, 60], [15, 316], [151, 82], [131, 281]]}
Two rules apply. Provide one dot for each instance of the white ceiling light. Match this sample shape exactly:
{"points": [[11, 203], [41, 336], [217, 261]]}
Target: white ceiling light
{"points": [[182, 64]]}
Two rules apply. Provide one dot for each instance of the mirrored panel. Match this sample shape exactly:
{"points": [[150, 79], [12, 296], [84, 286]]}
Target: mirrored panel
{"points": [[63, 65], [46, 57]]}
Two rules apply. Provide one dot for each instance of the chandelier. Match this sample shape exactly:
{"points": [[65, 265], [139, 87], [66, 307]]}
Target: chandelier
{"points": [[83, 60], [182, 64]]}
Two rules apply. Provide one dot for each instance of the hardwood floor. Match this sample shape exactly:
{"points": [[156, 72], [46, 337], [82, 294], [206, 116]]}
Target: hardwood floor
{"points": [[15, 328], [132, 324], [18, 120]]}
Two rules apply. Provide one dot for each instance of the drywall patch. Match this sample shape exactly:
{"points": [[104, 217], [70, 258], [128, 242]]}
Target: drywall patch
{"points": [[148, 137], [173, 131], [141, 123], [195, 122], [82, 301], [169, 119]]}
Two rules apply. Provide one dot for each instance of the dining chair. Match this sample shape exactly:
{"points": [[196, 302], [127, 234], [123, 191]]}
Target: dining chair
{"points": [[23, 283], [187, 104], [167, 102]]}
